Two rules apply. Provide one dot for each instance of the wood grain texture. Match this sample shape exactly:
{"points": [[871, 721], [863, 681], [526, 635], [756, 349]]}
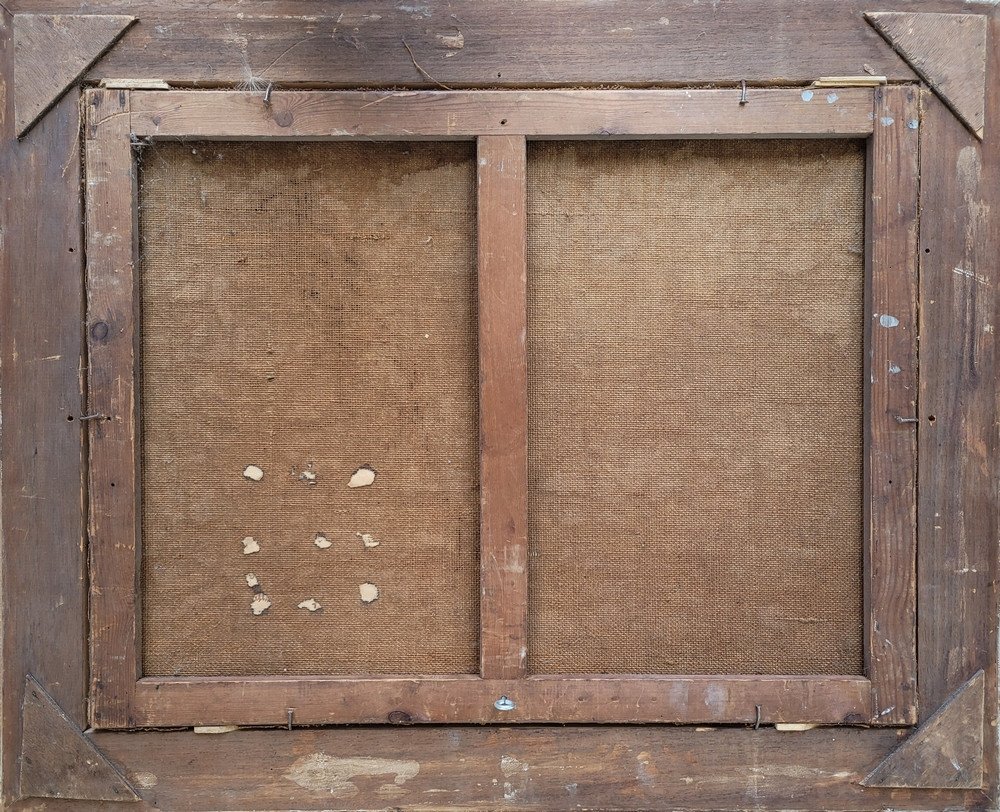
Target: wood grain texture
{"points": [[891, 405], [945, 752], [529, 768], [58, 760], [51, 52], [770, 113], [948, 51], [468, 43], [162, 702], [958, 515], [111, 331], [503, 406], [41, 301]]}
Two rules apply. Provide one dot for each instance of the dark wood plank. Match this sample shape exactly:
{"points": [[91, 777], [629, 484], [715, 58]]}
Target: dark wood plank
{"points": [[469, 43], [529, 768], [41, 299], [40, 78], [182, 702], [946, 751], [770, 113], [949, 53], [58, 760], [111, 331], [958, 585], [503, 405], [891, 404]]}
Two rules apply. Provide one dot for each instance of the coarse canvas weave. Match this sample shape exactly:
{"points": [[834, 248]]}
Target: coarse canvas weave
{"points": [[308, 310], [695, 336]]}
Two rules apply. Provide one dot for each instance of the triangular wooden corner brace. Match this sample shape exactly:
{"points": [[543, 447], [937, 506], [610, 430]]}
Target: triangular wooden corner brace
{"points": [[946, 751], [57, 758], [52, 51], [948, 51]]}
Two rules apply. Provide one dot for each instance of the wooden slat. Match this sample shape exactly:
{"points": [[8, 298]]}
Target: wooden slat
{"points": [[468, 42], [44, 589], [770, 113], [552, 768], [111, 329], [959, 588], [891, 405], [559, 698], [503, 406]]}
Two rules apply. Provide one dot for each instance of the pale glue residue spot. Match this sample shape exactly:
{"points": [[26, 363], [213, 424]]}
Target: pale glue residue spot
{"points": [[309, 477], [456, 41], [144, 780], [369, 592], [260, 604], [322, 773], [214, 730], [831, 98], [888, 321], [912, 124], [792, 727], [887, 121], [510, 766], [252, 580], [367, 539], [807, 95], [362, 478], [250, 545], [894, 369], [322, 541], [312, 605], [664, 21], [254, 473]]}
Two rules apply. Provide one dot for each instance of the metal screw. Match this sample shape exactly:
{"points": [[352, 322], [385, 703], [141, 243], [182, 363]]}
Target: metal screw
{"points": [[504, 704]]}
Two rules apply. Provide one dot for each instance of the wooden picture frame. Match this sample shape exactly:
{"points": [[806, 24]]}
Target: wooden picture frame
{"points": [[500, 122], [914, 735]]}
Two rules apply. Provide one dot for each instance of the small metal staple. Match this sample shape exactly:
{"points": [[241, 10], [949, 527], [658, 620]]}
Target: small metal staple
{"points": [[756, 724], [744, 98], [291, 713], [95, 416]]}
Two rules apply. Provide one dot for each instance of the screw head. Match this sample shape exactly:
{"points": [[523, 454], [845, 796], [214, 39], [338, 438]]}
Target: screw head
{"points": [[504, 704]]}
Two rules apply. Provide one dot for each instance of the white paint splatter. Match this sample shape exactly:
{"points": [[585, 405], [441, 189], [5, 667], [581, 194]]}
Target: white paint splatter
{"points": [[887, 121], [250, 545], [369, 592], [912, 124], [311, 604], [807, 95], [362, 478], [367, 539], [252, 580], [254, 473], [831, 97], [894, 369], [322, 541], [888, 321], [260, 604]]}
